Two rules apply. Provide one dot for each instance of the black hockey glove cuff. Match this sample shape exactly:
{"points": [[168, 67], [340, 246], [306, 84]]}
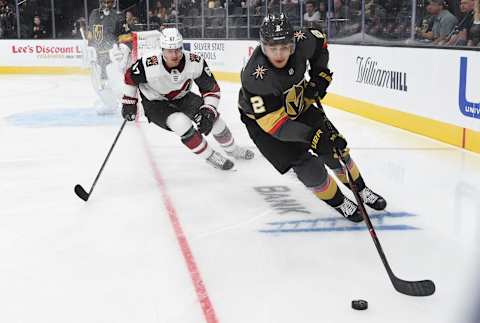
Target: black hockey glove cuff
{"points": [[317, 86], [325, 143], [129, 108], [205, 118]]}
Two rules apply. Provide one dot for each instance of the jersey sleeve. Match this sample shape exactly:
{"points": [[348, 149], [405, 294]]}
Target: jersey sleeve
{"points": [[317, 52], [206, 82], [134, 76], [269, 113]]}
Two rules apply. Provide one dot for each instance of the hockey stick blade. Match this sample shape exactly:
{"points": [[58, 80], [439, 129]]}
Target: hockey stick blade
{"points": [[414, 288], [81, 193]]}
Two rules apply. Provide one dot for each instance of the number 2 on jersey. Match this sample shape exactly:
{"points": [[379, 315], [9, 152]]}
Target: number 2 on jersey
{"points": [[257, 104]]}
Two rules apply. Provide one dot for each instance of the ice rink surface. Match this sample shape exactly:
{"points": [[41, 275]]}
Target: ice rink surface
{"points": [[166, 238]]}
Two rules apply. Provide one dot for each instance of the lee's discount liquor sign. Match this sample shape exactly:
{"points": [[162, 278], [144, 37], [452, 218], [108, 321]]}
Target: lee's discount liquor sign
{"points": [[66, 53]]}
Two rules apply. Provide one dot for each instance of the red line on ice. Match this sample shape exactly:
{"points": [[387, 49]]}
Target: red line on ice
{"points": [[205, 303]]}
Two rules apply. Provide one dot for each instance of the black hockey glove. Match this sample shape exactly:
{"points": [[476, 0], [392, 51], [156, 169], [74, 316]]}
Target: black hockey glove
{"points": [[129, 108], [325, 142], [205, 118], [317, 86]]}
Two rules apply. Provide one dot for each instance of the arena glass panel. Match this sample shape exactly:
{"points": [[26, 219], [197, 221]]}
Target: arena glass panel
{"points": [[237, 19], [256, 12], [31, 11], [388, 21]]}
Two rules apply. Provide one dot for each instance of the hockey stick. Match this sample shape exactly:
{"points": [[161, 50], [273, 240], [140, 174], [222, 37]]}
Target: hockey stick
{"points": [[79, 189], [411, 288]]}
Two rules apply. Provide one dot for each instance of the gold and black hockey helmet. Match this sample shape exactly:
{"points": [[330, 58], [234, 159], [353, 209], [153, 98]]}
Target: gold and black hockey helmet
{"points": [[276, 29]]}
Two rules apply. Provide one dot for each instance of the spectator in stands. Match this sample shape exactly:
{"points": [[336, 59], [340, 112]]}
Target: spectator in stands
{"points": [[80, 23], [38, 30], [338, 17], [130, 21], [273, 5], [443, 22], [459, 35], [169, 8], [353, 12], [172, 12], [155, 22], [474, 35], [340, 9], [235, 7], [453, 6], [159, 4], [7, 20], [375, 17], [311, 18], [256, 7], [162, 14], [322, 10], [426, 24], [291, 9], [190, 8], [398, 20]]}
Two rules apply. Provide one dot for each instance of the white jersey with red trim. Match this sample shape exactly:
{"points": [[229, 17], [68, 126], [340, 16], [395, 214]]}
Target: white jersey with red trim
{"points": [[158, 82]]}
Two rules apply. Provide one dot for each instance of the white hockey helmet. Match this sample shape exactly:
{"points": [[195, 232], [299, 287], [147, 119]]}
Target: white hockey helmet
{"points": [[171, 38]]}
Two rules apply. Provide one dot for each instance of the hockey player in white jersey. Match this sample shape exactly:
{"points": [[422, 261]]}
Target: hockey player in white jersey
{"points": [[164, 80]]}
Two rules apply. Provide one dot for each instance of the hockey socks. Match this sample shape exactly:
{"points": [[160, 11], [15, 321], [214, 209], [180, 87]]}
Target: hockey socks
{"points": [[353, 169], [196, 143], [224, 137]]}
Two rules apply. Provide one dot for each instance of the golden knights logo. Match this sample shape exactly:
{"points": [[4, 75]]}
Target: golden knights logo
{"points": [[294, 101], [98, 33]]}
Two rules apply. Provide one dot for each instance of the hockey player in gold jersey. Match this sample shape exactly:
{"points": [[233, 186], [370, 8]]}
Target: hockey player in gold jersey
{"points": [[277, 105]]}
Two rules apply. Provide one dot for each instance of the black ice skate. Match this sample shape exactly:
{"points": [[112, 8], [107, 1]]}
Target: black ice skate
{"points": [[241, 153], [218, 161], [372, 199], [349, 210]]}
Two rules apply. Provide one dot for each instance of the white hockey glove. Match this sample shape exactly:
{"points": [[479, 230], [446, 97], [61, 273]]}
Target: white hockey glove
{"points": [[119, 55]]}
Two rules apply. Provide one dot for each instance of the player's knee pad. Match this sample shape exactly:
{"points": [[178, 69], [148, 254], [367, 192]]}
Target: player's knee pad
{"points": [[311, 171], [219, 126], [179, 123]]}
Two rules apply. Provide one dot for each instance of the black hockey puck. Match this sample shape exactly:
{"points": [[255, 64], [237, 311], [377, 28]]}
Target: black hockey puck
{"points": [[359, 304]]}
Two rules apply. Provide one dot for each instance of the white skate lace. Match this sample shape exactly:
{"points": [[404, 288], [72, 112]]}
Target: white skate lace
{"points": [[368, 196], [347, 207], [241, 153], [216, 159]]}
